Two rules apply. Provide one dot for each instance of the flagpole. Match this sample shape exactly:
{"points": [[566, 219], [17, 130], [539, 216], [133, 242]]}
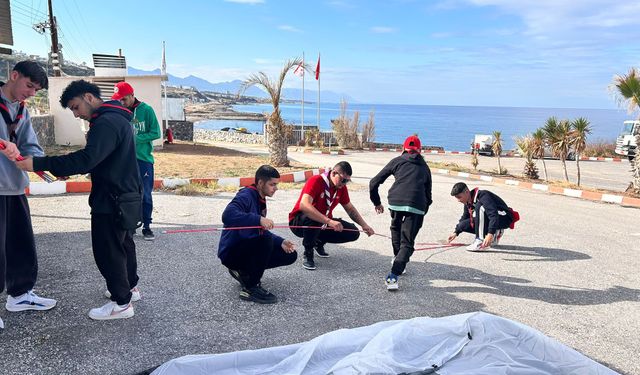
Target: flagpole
{"points": [[164, 87], [318, 75], [303, 68]]}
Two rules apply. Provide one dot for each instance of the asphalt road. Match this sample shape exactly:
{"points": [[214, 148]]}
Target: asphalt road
{"points": [[569, 269]]}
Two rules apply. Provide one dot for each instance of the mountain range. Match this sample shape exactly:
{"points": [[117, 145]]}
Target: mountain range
{"points": [[233, 86]]}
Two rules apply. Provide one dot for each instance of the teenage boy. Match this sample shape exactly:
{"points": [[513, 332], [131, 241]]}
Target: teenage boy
{"points": [[314, 211], [110, 157], [247, 253], [18, 258], [484, 214], [146, 130], [409, 200]]}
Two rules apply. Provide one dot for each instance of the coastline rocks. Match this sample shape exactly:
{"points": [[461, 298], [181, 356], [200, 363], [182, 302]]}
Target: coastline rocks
{"points": [[226, 136]]}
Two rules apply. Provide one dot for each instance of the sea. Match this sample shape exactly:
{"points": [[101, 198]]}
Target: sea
{"points": [[450, 127]]}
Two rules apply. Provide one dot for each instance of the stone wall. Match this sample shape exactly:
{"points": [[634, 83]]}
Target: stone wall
{"points": [[43, 126], [226, 136], [182, 130]]}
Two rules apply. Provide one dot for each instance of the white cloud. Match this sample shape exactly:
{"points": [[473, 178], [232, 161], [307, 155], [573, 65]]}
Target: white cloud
{"points": [[382, 30], [252, 2], [289, 28]]}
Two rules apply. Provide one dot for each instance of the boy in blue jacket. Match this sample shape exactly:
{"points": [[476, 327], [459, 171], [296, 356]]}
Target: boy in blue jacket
{"points": [[248, 252]]}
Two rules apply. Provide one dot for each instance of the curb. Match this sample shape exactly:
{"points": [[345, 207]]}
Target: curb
{"points": [[320, 152], [63, 187], [508, 155], [582, 194]]}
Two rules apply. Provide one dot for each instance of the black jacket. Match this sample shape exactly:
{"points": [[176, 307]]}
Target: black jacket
{"points": [[110, 157], [412, 186], [493, 206]]}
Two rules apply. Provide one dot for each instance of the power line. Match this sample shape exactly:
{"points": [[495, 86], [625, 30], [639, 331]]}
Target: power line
{"points": [[73, 22]]}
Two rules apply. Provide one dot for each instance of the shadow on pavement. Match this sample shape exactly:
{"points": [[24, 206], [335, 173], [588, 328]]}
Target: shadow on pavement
{"points": [[190, 304]]}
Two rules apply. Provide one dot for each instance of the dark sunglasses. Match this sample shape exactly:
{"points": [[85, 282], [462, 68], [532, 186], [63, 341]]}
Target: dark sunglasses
{"points": [[344, 181]]}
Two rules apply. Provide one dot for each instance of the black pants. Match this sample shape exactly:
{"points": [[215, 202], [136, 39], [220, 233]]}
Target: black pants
{"points": [[252, 256], [404, 229], [317, 237], [18, 259], [115, 255], [481, 223]]}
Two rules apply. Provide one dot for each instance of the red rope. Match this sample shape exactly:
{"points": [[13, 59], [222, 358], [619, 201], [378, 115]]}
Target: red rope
{"points": [[45, 176], [429, 245]]}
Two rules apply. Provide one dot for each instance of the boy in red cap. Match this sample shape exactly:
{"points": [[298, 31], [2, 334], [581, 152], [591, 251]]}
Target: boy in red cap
{"points": [[146, 130], [409, 200]]}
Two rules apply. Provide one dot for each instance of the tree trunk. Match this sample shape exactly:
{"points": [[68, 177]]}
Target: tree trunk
{"points": [[636, 167], [499, 166], [544, 166], [578, 167], [564, 166], [277, 141]]}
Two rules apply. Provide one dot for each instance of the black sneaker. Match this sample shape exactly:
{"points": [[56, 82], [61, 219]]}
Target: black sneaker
{"points": [[321, 252], [309, 264], [236, 275], [148, 234], [258, 295]]}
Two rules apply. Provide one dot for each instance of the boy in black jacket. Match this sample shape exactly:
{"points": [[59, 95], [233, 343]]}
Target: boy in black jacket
{"points": [[110, 157], [485, 214], [409, 200]]}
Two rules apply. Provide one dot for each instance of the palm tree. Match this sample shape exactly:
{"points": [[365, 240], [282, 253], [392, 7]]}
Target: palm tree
{"points": [[497, 147], [276, 128], [538, 145], [527, 147], [627, 89], [581, 128], [559, 138]]}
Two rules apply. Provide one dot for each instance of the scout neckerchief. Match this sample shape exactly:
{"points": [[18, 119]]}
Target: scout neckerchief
{"points": [[12, 124], [474, 195], [327, 188]]}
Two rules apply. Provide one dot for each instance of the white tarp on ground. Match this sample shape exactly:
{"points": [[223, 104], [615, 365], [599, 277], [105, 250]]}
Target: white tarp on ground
{"points": [[475, 343]]}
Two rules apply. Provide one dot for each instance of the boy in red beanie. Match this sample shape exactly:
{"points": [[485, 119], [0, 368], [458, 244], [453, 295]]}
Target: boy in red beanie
{"points": [[409, 200]]}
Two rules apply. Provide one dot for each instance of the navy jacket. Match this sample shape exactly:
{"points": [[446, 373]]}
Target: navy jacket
{"points": [[412, 186], [244, 210], [110, 157], [493, 206]]}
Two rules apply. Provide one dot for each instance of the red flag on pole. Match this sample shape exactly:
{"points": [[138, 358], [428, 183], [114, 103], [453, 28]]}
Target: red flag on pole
{"points": [[299, 71], [318, 68]]}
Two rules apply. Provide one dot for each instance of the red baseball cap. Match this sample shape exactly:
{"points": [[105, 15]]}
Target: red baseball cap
{"points": [[412, 143], [121, 90]]}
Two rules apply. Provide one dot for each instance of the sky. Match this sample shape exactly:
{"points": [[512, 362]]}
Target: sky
{"points": [[524, 53]]}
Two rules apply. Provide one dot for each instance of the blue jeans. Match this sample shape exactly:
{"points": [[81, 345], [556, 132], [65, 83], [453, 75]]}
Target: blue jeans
{"points": [[146, 175]]}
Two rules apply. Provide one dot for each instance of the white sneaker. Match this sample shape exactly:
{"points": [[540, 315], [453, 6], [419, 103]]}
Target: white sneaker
{"points": [[29, 301], [135, 294], [1, 324], [476, 246], [391, 283], [497, 237], [111, 311]]}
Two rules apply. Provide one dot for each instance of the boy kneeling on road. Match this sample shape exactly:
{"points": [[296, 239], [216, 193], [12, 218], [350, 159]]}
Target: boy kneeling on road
{"points": [[485, 214]]}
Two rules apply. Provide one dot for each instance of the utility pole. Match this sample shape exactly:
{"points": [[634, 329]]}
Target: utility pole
{"points": [[53, 26]]}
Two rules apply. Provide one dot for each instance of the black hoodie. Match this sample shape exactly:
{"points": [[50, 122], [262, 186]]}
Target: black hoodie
{"points": [[412, 186], [110, 157]]}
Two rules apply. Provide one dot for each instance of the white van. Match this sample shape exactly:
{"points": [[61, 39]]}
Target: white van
{"points": [[626, 142], [482, 143]]}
